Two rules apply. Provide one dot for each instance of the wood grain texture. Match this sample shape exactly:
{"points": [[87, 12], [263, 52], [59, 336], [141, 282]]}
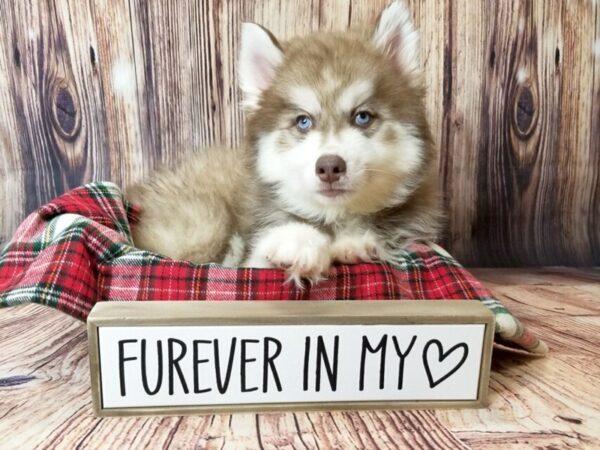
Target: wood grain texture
{"points": [[100, 89], [552, 402]]}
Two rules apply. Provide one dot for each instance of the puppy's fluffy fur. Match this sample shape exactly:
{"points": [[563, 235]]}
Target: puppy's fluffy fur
{"points": [[356, 98]]}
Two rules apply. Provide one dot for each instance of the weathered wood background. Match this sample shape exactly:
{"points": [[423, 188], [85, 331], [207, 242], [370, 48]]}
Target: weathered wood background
{"points": [[108, 89]]}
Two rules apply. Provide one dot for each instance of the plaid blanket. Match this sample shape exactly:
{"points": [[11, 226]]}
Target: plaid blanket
{"points": [[77, 250]]}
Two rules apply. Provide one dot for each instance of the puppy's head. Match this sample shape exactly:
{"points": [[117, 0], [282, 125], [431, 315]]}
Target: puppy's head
{"points": [[337, 119]]}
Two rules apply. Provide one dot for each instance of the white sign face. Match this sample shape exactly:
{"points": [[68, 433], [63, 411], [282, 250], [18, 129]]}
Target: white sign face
{"points": [[151, 366]]}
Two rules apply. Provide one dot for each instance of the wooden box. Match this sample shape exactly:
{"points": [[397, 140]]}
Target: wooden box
{"points": [[204, 357]]}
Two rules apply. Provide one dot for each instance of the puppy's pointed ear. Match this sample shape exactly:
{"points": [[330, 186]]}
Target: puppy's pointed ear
{"points": [[396, 36], [259, 57]]}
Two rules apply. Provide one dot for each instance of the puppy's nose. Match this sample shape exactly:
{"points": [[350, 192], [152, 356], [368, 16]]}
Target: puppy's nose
{"points": [[330, 168]]}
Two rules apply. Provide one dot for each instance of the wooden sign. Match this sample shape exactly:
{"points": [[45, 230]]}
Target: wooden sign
{"points": [[204, 357]]}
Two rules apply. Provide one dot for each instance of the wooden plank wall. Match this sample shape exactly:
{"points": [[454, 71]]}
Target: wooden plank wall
{"points": [[108, 89]]}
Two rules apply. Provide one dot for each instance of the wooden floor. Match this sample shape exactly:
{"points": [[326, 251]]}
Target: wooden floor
{"points": [[551, 402]]}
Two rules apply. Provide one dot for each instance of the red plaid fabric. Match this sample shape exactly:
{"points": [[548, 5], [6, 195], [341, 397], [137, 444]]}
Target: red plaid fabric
{"points": [[77, 250]]}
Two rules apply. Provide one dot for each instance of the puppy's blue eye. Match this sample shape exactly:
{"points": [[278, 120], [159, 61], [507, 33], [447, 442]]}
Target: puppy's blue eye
{"points": [[304, 123], [363, 118]]}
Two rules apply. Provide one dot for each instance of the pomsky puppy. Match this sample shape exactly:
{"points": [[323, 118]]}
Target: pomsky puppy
{"points": [[338, 163]]}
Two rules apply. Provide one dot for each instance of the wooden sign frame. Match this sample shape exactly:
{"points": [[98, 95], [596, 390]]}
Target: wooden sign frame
{"points": [[223, 313]]}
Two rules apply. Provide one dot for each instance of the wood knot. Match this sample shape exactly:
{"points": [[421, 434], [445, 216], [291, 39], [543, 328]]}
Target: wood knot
{"points": [[575, 420], [65, 114], [15, 380], [92, 56], [492, 60], [525, 111], [17, 56]]}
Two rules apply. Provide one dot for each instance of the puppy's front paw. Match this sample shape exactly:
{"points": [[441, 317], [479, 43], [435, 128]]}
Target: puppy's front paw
{"points": [[353, 249], [299, 249]]}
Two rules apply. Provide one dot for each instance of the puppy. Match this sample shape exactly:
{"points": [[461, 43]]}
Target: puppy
{"points": [[338, 163]]}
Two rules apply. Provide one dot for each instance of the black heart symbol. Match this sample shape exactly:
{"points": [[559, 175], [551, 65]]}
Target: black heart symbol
{"points": [[433, 383]]}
